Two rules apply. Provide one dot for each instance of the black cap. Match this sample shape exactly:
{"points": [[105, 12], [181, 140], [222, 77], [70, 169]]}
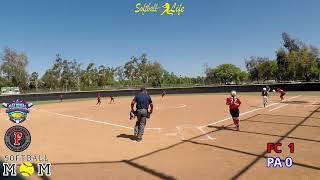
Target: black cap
{"points": [[142, 89]]}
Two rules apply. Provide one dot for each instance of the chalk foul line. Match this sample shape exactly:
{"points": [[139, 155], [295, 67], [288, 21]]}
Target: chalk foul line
{"points": [[247, 112], [279, 107], [174, 107], [94, 121], [205, 133]]}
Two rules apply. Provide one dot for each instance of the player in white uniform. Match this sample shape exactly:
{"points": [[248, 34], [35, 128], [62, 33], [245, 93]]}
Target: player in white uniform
{"points": [[264, 95]]}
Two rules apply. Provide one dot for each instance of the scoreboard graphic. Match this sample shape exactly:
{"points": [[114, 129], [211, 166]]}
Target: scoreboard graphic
{"points": [[277, 162]]}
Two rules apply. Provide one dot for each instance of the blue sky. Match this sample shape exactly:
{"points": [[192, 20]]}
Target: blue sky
{"points": [[109, 32]]}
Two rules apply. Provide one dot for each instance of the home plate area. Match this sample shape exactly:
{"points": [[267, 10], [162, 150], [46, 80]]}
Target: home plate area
{"points": [[187, 132]]}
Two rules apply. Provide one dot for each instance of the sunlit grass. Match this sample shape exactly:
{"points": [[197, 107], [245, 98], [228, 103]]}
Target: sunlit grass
{"points": [[290, 93]]}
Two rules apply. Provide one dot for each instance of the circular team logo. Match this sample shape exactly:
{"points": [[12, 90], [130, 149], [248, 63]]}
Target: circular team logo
{"points": [[17, 138]]}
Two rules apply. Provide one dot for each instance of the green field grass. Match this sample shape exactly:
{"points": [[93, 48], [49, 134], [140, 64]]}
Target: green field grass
{"points": [[74, 100], [291, 93]]}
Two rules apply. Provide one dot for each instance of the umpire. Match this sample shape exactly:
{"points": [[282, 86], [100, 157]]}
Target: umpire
{"points": [[142, 101]]}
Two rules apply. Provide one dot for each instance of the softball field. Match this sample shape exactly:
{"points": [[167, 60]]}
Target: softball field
{"points": [[187, 137]]}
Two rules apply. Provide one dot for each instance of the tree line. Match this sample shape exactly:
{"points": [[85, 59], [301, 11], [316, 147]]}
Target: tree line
{"points": [[294, 61], [70, 75]]}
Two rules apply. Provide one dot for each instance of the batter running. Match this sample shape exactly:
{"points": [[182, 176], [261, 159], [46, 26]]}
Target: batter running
{"points": [[234, 104]]}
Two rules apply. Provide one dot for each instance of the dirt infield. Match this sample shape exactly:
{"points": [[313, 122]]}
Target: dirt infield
{"points": [[187, 137]]}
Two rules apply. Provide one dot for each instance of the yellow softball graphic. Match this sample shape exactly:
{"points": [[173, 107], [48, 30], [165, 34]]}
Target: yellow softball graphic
{"points": [[26, 169]]}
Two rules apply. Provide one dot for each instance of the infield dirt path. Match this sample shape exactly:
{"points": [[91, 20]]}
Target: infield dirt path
{"points": [[187, 137]]}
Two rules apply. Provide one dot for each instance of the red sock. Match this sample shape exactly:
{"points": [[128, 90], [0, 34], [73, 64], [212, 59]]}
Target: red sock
{"points": [[236, 122]]}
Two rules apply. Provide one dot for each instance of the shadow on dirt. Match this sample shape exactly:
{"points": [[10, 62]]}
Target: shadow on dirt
{"points": [[222, 127], [256, 106], [295, 102], [127, 136]]}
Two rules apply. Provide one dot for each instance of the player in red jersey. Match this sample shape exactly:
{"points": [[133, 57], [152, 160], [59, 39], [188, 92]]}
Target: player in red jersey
{"points": [[281, 92], [234, 103], [98, 98], [112, 99]]}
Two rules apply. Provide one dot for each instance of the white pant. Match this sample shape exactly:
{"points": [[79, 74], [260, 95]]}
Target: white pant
{"points": [[265, 99]]}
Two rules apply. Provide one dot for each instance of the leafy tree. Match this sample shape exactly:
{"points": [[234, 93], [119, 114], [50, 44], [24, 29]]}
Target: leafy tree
{"points": [[243, 76], [198, 80], [224, 73], [76, 73], [211, 76], [283, 64], [294, 61], [119, 73], [64, 75], [142, 68], [14, 66], [268, 69], [315, 55], [252, 65], [131, 69], [290, 43], [261, 68], [105, 76], [89, 77], [307, 65], [4, 82], [154, 74], [228, 73], [49, 79], [57, 69], [34, 80], [170, 78], [299, 62], [141, 71]]}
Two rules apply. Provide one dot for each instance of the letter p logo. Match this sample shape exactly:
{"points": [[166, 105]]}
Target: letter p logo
{"points": [[17, 138]]}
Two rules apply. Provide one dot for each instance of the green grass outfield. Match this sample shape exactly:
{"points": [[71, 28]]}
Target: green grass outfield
{"points": [[290, 93]]}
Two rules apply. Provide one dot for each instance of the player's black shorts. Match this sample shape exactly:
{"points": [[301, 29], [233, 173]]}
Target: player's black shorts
{"points": [[235, 112], [282, 94]]}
